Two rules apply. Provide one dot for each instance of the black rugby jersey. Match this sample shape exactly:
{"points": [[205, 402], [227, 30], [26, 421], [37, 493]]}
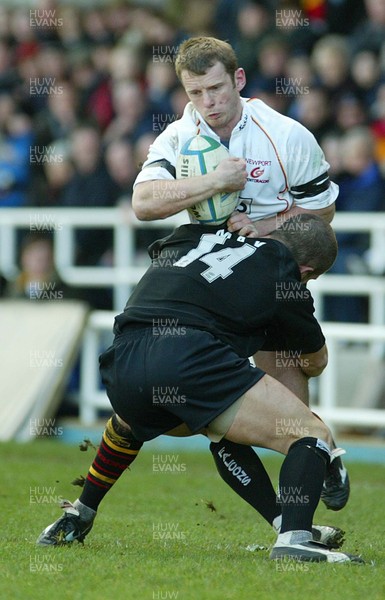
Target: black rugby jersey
{"points": [[247, 292]]}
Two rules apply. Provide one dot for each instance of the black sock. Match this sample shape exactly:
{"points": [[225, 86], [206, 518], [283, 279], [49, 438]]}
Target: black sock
{"points": [[117, 450], [300, 483], [240, 467]]}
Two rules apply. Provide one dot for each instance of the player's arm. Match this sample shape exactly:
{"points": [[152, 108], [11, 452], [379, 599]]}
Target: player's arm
{"points": [[309, 364], [308, 174], [314, 363], [161, 198], [294, 328], [241, 222], [308, 183]]}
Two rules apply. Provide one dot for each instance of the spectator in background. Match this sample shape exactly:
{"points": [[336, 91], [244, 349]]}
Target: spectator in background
{"points": [[378, 125], [53, 171], [331, 145], [141, 147], [123, 161], [178, 99], [366, 73], [60, 118], [120, 163], [53, 127], [254, 25], [38, 279], [118, 19], [268, 82], [125, 63], [341, 16], [349, 112], [271, 62], [8, 75], [95, 26], [70, 33], [93, 90], [160, 79], [122, 166], [370, 34], [44, 31], [300, 22], [3, 286], [132, 116], [330, 61], [16, 137], [298, 70], [4, 22], [362, 189], [91, 186], [52, 64], [226, 14], [312, 109]]}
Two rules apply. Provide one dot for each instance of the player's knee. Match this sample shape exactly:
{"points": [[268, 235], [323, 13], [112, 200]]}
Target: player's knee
{"points": [[119, 423], [311, 427], [319, 430], [317, 445]]}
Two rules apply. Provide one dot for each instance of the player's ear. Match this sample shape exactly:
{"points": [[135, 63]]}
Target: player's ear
{"points": [[307, 273], [239, 79]]}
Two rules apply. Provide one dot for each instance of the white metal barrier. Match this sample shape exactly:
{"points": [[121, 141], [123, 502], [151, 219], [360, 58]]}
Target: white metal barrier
{"points": [[125, 273], [328, 409], [93, 398], [63, 222]]}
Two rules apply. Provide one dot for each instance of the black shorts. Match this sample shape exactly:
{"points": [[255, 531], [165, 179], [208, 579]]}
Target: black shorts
{"points": [[156, 382]]}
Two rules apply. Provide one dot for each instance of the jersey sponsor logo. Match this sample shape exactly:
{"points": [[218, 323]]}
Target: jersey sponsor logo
{"points": [[234, 468], [259, 168], [257, 172], [258, 163]]}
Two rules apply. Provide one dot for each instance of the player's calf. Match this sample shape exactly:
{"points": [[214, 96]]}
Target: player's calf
{"points": [[117, 450]]}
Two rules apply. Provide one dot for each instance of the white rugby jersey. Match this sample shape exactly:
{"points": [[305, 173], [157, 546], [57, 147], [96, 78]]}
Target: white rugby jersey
{"points": [[285, 164]]}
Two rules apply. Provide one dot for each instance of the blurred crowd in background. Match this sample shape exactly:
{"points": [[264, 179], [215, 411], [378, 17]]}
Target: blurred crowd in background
{"points": [[84, 91]]}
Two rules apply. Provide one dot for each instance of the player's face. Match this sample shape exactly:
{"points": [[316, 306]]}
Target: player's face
{"points": [[215, 95]]}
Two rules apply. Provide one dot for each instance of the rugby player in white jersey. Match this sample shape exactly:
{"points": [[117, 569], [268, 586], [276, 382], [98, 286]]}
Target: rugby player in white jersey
{"points": [[276, 165]]}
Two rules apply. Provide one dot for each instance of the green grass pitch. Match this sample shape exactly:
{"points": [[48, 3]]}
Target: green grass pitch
{"points": [[174, 531]]}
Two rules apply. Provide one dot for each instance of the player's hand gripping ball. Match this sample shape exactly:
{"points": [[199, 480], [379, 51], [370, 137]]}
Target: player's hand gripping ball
{"points": [[200, 155]]}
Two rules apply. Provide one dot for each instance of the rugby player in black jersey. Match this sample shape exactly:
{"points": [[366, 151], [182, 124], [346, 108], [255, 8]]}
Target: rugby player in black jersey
{"points": [[210, 300]]}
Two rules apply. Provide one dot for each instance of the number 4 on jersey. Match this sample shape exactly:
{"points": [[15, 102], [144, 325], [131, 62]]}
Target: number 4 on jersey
{"points": [[221, 262]]}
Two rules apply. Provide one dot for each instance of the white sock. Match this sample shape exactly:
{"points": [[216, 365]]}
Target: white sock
{"points": [[85, 512], [294, 537], [277, 523]]}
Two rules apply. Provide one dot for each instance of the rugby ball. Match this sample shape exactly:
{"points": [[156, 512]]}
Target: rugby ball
{"points": [[200, 155]]}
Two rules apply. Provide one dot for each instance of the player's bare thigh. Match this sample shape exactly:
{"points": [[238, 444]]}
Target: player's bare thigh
{"points": [[290, 376], [265, 415], [263, 419]]}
